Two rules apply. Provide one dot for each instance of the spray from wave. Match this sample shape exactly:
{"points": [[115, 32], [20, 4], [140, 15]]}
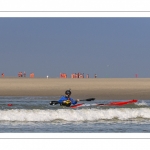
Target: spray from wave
{"points": [[74, 115], [142, 103]]}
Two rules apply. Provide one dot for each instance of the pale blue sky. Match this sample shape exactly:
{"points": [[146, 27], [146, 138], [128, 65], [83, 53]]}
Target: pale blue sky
{"points": [[109, 47]]}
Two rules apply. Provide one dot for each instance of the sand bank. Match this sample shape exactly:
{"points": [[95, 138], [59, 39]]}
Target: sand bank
{"points": [[100, 88]]}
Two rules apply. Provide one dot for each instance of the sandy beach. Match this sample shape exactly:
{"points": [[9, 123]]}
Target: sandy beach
{"points": [[99, 88]]}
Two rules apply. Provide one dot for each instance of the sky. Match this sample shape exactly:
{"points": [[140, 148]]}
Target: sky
{"points": [[109, 47]]}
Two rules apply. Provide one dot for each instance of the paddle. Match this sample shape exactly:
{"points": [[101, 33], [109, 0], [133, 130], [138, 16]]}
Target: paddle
{"points": [[89, 99], [56, 102]]}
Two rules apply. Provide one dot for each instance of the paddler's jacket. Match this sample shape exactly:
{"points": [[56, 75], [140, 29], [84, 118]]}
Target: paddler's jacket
{"points": [[65, 98]]}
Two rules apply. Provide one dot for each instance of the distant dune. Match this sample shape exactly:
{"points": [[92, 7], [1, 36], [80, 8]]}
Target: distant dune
{"points": [[100, 88]]}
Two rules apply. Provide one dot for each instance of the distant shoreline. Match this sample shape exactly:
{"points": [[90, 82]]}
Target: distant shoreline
{"points": [[99, 88]]}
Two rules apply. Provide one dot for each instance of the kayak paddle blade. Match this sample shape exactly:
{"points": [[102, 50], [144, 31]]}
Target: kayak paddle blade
{"points": [[89, 99], [54, 103]]}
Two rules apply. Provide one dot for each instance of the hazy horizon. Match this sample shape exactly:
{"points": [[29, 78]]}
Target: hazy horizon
{"points": [[108, 47]]}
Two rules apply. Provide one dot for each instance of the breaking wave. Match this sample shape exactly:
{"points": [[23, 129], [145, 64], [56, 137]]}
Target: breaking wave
{"points": [[74, 115]]}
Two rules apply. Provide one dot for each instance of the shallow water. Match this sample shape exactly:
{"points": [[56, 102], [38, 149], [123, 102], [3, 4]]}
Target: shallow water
{"points": [[35, 115]]}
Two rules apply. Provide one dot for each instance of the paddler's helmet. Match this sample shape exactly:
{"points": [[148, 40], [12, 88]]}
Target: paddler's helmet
{"points": [[68, 92]]}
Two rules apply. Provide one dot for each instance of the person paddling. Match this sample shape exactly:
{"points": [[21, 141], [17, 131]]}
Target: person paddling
{"points": [[67, 100]]}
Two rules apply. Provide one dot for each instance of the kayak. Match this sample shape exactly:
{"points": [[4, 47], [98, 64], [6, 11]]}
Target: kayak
{"points": [[120, 103]]}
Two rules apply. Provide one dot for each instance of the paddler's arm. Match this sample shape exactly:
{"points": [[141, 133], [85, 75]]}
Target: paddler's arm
{"points": [[74, 101], [77, 100], [61, 99]]}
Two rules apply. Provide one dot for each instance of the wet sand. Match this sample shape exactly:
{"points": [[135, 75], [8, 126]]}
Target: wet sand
{"points": [[99, 88]]}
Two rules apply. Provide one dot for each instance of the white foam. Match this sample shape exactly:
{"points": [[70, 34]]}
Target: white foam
{"points": [[143, 103], [74, 115]]}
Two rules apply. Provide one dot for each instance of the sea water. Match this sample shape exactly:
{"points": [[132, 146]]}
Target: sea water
{"points": [[35, 115]]}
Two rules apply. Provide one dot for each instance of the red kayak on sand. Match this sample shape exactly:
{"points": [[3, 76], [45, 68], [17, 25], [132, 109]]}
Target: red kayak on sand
{"points": [[120, 103]]}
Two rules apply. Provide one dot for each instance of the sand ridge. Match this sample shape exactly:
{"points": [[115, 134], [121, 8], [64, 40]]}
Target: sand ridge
{"points": [[100, 88]]}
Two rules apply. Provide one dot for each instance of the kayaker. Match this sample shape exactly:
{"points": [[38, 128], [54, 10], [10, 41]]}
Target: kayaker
{"points": [[67, 100]]}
